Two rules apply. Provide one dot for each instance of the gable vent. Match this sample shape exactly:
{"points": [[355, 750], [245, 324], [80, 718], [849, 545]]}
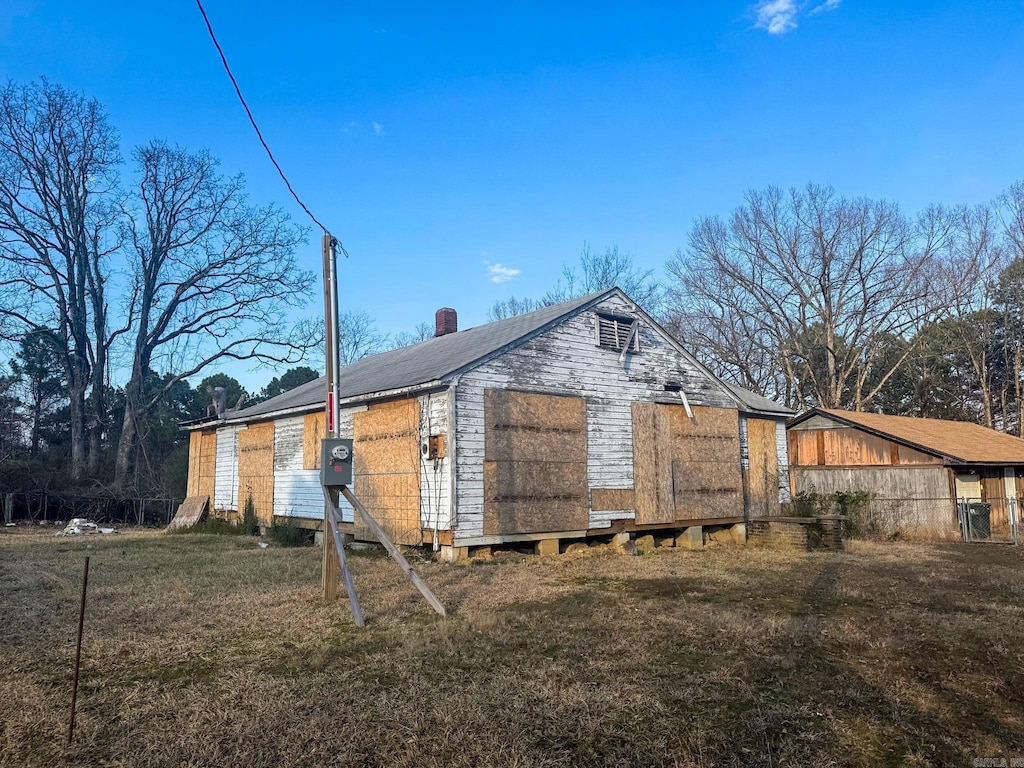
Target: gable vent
{"points": [[615, 332]]}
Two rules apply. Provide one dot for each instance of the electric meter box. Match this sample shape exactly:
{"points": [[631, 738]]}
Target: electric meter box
{"points": [[336, 462]]}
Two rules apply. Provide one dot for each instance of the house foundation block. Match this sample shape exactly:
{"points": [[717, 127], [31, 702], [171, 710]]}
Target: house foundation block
{"points": [[547, 547], [619, 541], [739, 533], [449, 554], [644, 544], [691, 538]]}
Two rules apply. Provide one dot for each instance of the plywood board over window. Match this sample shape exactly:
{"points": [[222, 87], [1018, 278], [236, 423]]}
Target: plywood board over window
{"points": [[256, 470], [686, 468], [202, 463], [386, 469], [535, 463], [762, 476], [314, 430]]}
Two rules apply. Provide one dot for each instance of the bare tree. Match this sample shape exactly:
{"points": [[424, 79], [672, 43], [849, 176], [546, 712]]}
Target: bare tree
{"points": [[358, 336], [58, 171], [818, 282], [594, 272], [214, 279], [512, 306], [422, 332], [610, 269]]}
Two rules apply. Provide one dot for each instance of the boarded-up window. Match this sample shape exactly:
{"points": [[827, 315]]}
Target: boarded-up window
{"points": [[225, 494], [614, 332], [313, 432], [686, 468], [535, 463], [762, 477], [386, 469], [202, 463], [256, 470]]}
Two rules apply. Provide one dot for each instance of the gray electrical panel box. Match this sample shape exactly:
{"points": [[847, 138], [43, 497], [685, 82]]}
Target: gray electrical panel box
{"points": [[336, 462]]}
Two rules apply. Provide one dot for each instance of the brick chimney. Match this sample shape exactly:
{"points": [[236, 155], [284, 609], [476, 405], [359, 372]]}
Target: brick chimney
{"points": [[445, 321]]}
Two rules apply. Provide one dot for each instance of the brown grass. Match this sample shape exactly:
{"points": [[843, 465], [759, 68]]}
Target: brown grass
{"points": [[206, 650]]}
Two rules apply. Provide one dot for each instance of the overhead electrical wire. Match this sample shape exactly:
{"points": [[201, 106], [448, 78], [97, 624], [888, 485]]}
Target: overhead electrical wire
{"points": [[252, 120]]}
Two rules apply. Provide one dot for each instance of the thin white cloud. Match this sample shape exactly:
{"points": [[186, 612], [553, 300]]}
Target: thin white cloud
{"points": [[777, 17], [499, 273], [378, 129], [828, 5]]}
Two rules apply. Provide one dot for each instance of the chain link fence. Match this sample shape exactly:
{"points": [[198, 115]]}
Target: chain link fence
{"points": [[992, 519], [59, 508]]}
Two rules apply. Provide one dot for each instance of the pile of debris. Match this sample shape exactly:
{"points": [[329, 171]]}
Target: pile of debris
{"points": [[80, 526]]}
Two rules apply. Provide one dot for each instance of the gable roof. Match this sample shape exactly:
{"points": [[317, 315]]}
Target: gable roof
{"points": [[956, 441], [751, 402], [423, 363]]}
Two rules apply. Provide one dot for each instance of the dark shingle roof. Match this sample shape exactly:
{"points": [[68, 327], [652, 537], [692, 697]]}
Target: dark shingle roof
{"points": [[752, 402], [428, 361]]}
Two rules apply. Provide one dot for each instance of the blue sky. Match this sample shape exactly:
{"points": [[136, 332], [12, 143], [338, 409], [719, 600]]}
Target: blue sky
{"points": [[441, 140]]}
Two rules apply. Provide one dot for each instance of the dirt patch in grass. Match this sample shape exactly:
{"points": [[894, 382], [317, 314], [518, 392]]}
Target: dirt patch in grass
{"points": [[207, 650]]}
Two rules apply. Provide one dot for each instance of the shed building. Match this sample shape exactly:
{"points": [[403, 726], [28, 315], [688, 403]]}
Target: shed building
{"points": [[915, 470], [579, 419]]}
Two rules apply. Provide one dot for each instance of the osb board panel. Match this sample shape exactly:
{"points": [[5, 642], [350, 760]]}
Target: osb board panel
{"points": [[256, 470], [652, 463], [207, 464], [525, 409], [535, 468], [540, 480], [610, 499], [190, 512], [195, 442], [314, 430], [386, 469], [531, 516], [698, 476], [709, 504], [526, 443], [706, 470], [762, 477]]}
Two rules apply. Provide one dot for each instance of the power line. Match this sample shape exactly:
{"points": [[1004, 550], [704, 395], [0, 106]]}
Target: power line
{"points": [[252, 120]]}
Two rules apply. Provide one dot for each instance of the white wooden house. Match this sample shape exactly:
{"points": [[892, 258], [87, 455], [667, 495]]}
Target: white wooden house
{"points": [[579, 419]]}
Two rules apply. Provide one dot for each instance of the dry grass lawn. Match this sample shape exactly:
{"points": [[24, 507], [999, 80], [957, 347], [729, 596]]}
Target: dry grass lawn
{"points": [[204, 651]]}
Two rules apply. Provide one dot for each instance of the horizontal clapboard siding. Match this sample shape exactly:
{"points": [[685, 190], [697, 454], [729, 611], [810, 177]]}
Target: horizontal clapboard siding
{"points": [[297, 491], [225, 488], [782, 448], [566, 360], [435, 475]]}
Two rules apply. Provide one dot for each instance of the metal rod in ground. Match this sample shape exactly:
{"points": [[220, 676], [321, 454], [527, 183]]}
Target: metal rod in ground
{"points": [[78, 651], [399, 558], [339, 545]]}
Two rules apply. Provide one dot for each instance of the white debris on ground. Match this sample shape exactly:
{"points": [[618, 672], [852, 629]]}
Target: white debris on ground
{"points": [[79, 526]]}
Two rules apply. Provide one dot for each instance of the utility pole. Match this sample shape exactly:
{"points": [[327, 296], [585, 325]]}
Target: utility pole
{"points": [[334, 557], [331, 564]]}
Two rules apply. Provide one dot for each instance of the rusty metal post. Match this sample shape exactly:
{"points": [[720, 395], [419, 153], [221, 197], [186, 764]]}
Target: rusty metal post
{"points": [[78, 651]]}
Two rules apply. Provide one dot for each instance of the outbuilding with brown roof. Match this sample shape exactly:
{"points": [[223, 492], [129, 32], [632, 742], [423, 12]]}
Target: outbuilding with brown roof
{"points": [[925, 478]]}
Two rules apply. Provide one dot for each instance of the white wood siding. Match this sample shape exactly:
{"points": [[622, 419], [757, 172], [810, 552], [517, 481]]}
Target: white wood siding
{"points": [[297, 491], [435, 474], [225, 481], [782, 448], [566, 360]]}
